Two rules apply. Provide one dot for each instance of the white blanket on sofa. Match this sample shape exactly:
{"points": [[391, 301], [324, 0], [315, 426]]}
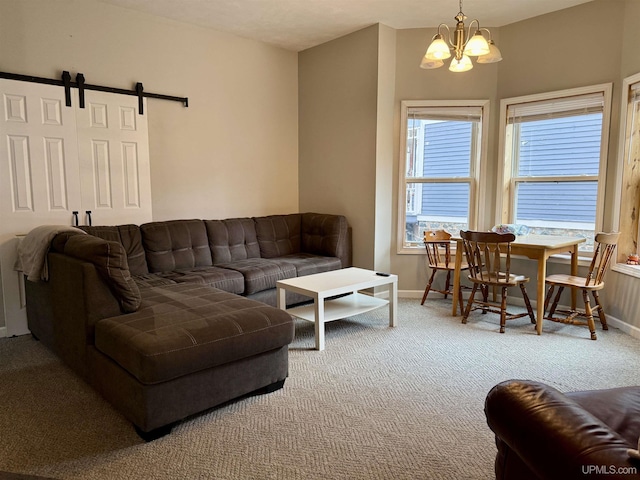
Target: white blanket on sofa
{"points": [[33, 249]]}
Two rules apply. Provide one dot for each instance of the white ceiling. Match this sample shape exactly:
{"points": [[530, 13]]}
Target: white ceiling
{"points": [[300, 24]]}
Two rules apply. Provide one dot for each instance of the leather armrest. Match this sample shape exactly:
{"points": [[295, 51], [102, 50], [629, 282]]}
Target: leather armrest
{"points": [[553, 435]]}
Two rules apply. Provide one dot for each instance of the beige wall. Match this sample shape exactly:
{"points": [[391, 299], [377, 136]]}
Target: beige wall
{"points": [[347, 148], [232, 152], [338, 91], [565, 49], [631, 39], [385, 149]]}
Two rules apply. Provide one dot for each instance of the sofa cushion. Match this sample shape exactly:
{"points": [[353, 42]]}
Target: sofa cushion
{"points": [[175, 244], [232, 239], [323, 234], [151, 280], [228, 280], [130, 238], [185, 328], [618, 408], [278, 235], [110, 261], [307, 263], [261, 273]]}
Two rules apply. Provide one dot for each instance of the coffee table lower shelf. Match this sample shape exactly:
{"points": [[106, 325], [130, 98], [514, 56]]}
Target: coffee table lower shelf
{"points": [[337, 308]]}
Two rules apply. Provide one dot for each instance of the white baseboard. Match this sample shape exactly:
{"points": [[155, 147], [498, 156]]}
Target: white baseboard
{"points": [[3, 332], [623, 326], [410, 294]]}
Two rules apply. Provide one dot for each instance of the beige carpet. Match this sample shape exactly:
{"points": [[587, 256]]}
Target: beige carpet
{"points": [[378, 403]]}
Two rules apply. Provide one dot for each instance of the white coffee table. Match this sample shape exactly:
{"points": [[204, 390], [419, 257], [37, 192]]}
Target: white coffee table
{"points": [[321, 286]]}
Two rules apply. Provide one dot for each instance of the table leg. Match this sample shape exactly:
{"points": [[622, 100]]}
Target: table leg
{"points": [[281, 298], [319, 321], [393, 304], [456, 277], [574, 272], [542, 274]]}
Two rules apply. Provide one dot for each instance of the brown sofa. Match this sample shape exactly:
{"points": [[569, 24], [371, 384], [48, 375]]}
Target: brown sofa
{"points": [[168, 319], [542, 433]]}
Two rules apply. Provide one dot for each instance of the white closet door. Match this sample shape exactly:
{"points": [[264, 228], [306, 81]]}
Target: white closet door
{"points": [[55, 160], [39, 180], [114, 159]]}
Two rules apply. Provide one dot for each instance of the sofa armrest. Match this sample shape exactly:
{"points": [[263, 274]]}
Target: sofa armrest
{"points": [[63, 311], [325, 234], [553, 435]]}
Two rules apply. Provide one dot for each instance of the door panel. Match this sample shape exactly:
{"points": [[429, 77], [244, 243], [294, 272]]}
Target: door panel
{"points": [[39, 180], [38, 157], [114, 159]]}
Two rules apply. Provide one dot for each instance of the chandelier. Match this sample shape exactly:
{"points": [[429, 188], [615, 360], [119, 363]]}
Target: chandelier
{"points": [[463, 46]]}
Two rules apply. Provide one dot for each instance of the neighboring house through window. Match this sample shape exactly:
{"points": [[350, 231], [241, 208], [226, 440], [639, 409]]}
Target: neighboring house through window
{"points": [[442, 144]]}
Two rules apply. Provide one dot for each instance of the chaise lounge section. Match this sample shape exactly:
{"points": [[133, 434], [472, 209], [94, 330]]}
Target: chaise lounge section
{"points": [[169, 319]]}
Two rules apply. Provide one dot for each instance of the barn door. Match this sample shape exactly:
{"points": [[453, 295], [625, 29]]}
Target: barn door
{"points": [[39, 178], [114, 160], [55, 160]]}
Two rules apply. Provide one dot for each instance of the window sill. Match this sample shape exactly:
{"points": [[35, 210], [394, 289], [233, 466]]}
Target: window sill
{"points": [[631, 270]]}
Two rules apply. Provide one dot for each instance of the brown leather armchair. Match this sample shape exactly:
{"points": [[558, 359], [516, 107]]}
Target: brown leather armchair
{"points": [[542, 433]]}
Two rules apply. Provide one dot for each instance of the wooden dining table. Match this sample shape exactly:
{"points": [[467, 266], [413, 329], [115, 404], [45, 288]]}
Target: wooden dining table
{"points": [[535, 247]]}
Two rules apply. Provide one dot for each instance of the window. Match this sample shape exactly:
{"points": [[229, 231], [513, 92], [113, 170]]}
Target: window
{"points": [[441, 147], [554, 150]]}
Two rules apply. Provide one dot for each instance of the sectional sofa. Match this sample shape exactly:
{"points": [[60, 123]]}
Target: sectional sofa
{"points": [[168, 319]]}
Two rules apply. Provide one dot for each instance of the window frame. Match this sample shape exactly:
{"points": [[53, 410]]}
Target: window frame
{"points": [[624, 144], [505, 200], [477, 167]]}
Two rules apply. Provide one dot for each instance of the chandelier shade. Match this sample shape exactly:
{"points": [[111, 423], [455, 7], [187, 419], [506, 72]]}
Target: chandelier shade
{"points": [[428, 64], [493, 56], [477, 45], [461, 65], [438, 50], [461, 45]]}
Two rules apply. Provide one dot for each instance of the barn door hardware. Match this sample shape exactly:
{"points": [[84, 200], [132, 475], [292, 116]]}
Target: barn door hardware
{"points": [[82, 86]]}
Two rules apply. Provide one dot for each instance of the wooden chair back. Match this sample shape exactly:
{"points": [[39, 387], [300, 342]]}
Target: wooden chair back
{"points": [[488, 255], [438, 245], [602, 255]]}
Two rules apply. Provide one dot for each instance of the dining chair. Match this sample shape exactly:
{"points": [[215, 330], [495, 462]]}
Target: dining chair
{"points": [[438, 245], [489, 259], [605, 245]]}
